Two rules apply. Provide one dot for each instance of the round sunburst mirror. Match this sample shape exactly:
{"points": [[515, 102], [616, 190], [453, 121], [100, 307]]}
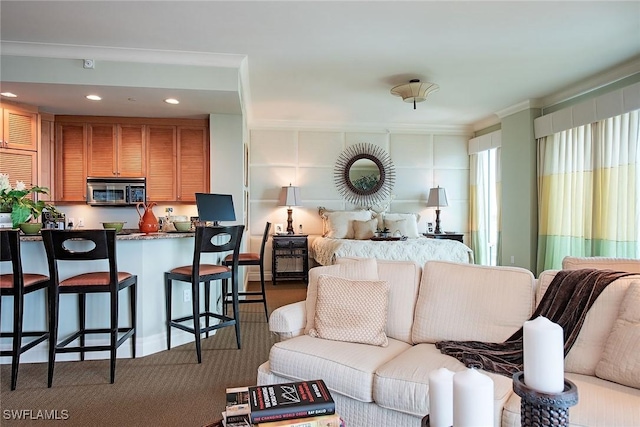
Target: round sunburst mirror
{"points": [[364, 174]]}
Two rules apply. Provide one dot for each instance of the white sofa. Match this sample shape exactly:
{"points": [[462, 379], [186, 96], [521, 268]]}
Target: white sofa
{"points": [[388, 386]]}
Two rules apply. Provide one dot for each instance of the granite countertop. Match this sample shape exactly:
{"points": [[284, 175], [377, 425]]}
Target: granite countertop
{"points": [[126, 234]]}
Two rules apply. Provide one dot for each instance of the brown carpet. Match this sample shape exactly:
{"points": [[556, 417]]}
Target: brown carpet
{"points": [[164, 389]]}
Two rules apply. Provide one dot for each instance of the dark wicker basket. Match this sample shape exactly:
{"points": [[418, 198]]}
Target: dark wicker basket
{"points": [[544, 409]]}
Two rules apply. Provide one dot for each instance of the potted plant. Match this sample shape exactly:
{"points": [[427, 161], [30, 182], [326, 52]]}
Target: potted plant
{"points": [[21, 204]]}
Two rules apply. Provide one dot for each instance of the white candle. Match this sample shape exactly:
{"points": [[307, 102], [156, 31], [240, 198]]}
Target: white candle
{"points": [[472, 399], [543, 346], [441, 398]]}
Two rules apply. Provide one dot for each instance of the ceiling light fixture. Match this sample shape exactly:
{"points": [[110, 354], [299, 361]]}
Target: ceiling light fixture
{"points": [[172, 101], [9, 94], [94, 97], [414, 91]]}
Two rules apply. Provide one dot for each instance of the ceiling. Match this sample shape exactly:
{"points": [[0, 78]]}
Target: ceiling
{"points": [[325, 63]]}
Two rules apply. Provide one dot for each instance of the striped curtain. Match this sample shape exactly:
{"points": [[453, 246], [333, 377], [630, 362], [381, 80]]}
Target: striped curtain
{"points": [[588, 191], [484, 199]]}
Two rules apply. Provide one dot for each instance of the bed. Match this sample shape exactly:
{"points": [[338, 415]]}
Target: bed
{"points": [[325, 250]]}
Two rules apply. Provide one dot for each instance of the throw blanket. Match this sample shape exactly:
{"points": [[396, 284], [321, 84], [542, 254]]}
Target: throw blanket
{"points": [[566, 302]]}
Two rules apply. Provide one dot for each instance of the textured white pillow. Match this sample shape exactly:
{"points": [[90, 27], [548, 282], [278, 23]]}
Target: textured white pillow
{"points": [[364, 230], [351, 310], [620, 362], [339, 224], [409, 228], [362, 269]]}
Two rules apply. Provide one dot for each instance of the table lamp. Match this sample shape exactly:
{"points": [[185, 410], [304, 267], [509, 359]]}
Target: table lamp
{"points": [[437, 199], [290, 196]]}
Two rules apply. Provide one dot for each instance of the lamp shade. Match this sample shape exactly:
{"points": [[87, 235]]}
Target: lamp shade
{"points": [[437, 198], [290, 196], [414, 91]]}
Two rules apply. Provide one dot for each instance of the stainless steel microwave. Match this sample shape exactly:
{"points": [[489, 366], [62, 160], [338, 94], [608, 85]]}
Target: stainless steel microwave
{"points": [[116, 191]]}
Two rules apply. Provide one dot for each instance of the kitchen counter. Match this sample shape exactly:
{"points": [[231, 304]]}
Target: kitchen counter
{"points": [[148, 256]]}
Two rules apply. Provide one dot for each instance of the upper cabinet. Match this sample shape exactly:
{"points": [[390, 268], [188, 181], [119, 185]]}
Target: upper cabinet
{"points": [[193, 162], [71, 162], [116, 150], [19, 128]]}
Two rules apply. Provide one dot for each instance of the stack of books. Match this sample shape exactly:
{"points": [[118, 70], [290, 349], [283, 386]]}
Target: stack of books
{"points": [[296, 404]]}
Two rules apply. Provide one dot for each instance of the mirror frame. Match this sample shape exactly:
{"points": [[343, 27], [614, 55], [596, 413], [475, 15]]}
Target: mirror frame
{"points": [[382, 160]]}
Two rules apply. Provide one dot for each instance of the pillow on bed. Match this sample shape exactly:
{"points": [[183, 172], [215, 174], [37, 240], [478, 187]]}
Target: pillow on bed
{"points": [[364, 230], [408, 228], [339, 224]]}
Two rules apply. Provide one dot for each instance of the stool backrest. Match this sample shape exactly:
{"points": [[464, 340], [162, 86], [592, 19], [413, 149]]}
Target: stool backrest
{"points": [[217, 239], [10, 251], [265, 238]]}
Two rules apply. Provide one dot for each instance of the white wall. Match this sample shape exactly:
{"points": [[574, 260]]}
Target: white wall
{"points": [[306, 158]]}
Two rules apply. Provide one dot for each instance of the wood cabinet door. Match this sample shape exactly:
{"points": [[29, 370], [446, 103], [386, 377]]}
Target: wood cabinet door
{"points": [[131, 151], [161, 163], [19, 129], [20, 165], [101, 150], [71, 161], [46, 158], [193, 162]]}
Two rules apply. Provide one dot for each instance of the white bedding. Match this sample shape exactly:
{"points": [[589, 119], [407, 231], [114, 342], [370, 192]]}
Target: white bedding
{"points": [[325, 250]]}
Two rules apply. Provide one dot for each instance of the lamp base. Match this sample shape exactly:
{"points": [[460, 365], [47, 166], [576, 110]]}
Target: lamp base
{"points": [[290, 221], [438, 230]]}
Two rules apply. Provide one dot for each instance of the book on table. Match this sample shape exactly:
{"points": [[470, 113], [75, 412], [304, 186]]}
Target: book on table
{"points": [[288, 401], [332, 420]]}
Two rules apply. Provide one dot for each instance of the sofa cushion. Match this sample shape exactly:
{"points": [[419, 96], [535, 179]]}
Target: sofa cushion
{"points": [[601, 263], [461, 302], [621, 357], [402, 384], [361, 269], [351, 310], [598, 323], [347, 368], [600, 403], [404, 281]]}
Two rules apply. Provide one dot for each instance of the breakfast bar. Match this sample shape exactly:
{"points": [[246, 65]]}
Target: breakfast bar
{"points": [[148, 256]]}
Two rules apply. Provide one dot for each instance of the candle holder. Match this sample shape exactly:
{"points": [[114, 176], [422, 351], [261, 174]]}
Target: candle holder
{"points": [[544, 409]]}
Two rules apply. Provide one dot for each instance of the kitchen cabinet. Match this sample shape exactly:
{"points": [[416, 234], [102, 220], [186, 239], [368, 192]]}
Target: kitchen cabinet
{"points": [[177, 162], [71, 162], [18, 144], [115, 150], [18, 129], [46, 157]]}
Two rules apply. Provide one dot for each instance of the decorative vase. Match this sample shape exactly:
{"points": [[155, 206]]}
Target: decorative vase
{"points": [[31, 227], [148, 221], [5, 220]]}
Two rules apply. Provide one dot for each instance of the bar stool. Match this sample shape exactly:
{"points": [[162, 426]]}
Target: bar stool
{"points": [[248, 259], [17, 285], [90, 245], [207, 240]]}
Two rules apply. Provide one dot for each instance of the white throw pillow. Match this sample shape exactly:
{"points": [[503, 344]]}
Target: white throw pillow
{"points": [[362, 269], [339, 224], [409, 228], [351, 310], [364, 230], [620, 362]]}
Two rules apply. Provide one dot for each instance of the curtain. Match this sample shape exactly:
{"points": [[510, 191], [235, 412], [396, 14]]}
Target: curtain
{"points": [[484, 199], [498, 202], [588, 188]]}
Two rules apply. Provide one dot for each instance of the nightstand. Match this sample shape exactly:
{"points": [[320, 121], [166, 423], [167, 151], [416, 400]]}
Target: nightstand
{"points": [[290, 257], [445, 236]]}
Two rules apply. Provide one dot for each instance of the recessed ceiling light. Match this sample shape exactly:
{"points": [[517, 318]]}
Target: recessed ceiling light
{"points": [[172, 101], [94, 97], [9, 94]]}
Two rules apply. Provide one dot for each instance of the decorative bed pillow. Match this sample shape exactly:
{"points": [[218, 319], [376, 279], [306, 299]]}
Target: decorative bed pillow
{"points": [[364, 230], [339, 224], [619, 362], [351, 310], [409, 228], [361, 269]]}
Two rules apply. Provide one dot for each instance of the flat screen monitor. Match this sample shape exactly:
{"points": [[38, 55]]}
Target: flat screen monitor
{"points": [[215, 207]]}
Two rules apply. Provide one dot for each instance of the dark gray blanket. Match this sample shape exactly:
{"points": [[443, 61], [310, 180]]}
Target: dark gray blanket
{"points": [[566, 302]]}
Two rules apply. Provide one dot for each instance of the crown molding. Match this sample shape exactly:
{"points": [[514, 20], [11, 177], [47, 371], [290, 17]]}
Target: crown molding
{"points": [[492, 120], [359, 127], [522, 106], [102, 53]]}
